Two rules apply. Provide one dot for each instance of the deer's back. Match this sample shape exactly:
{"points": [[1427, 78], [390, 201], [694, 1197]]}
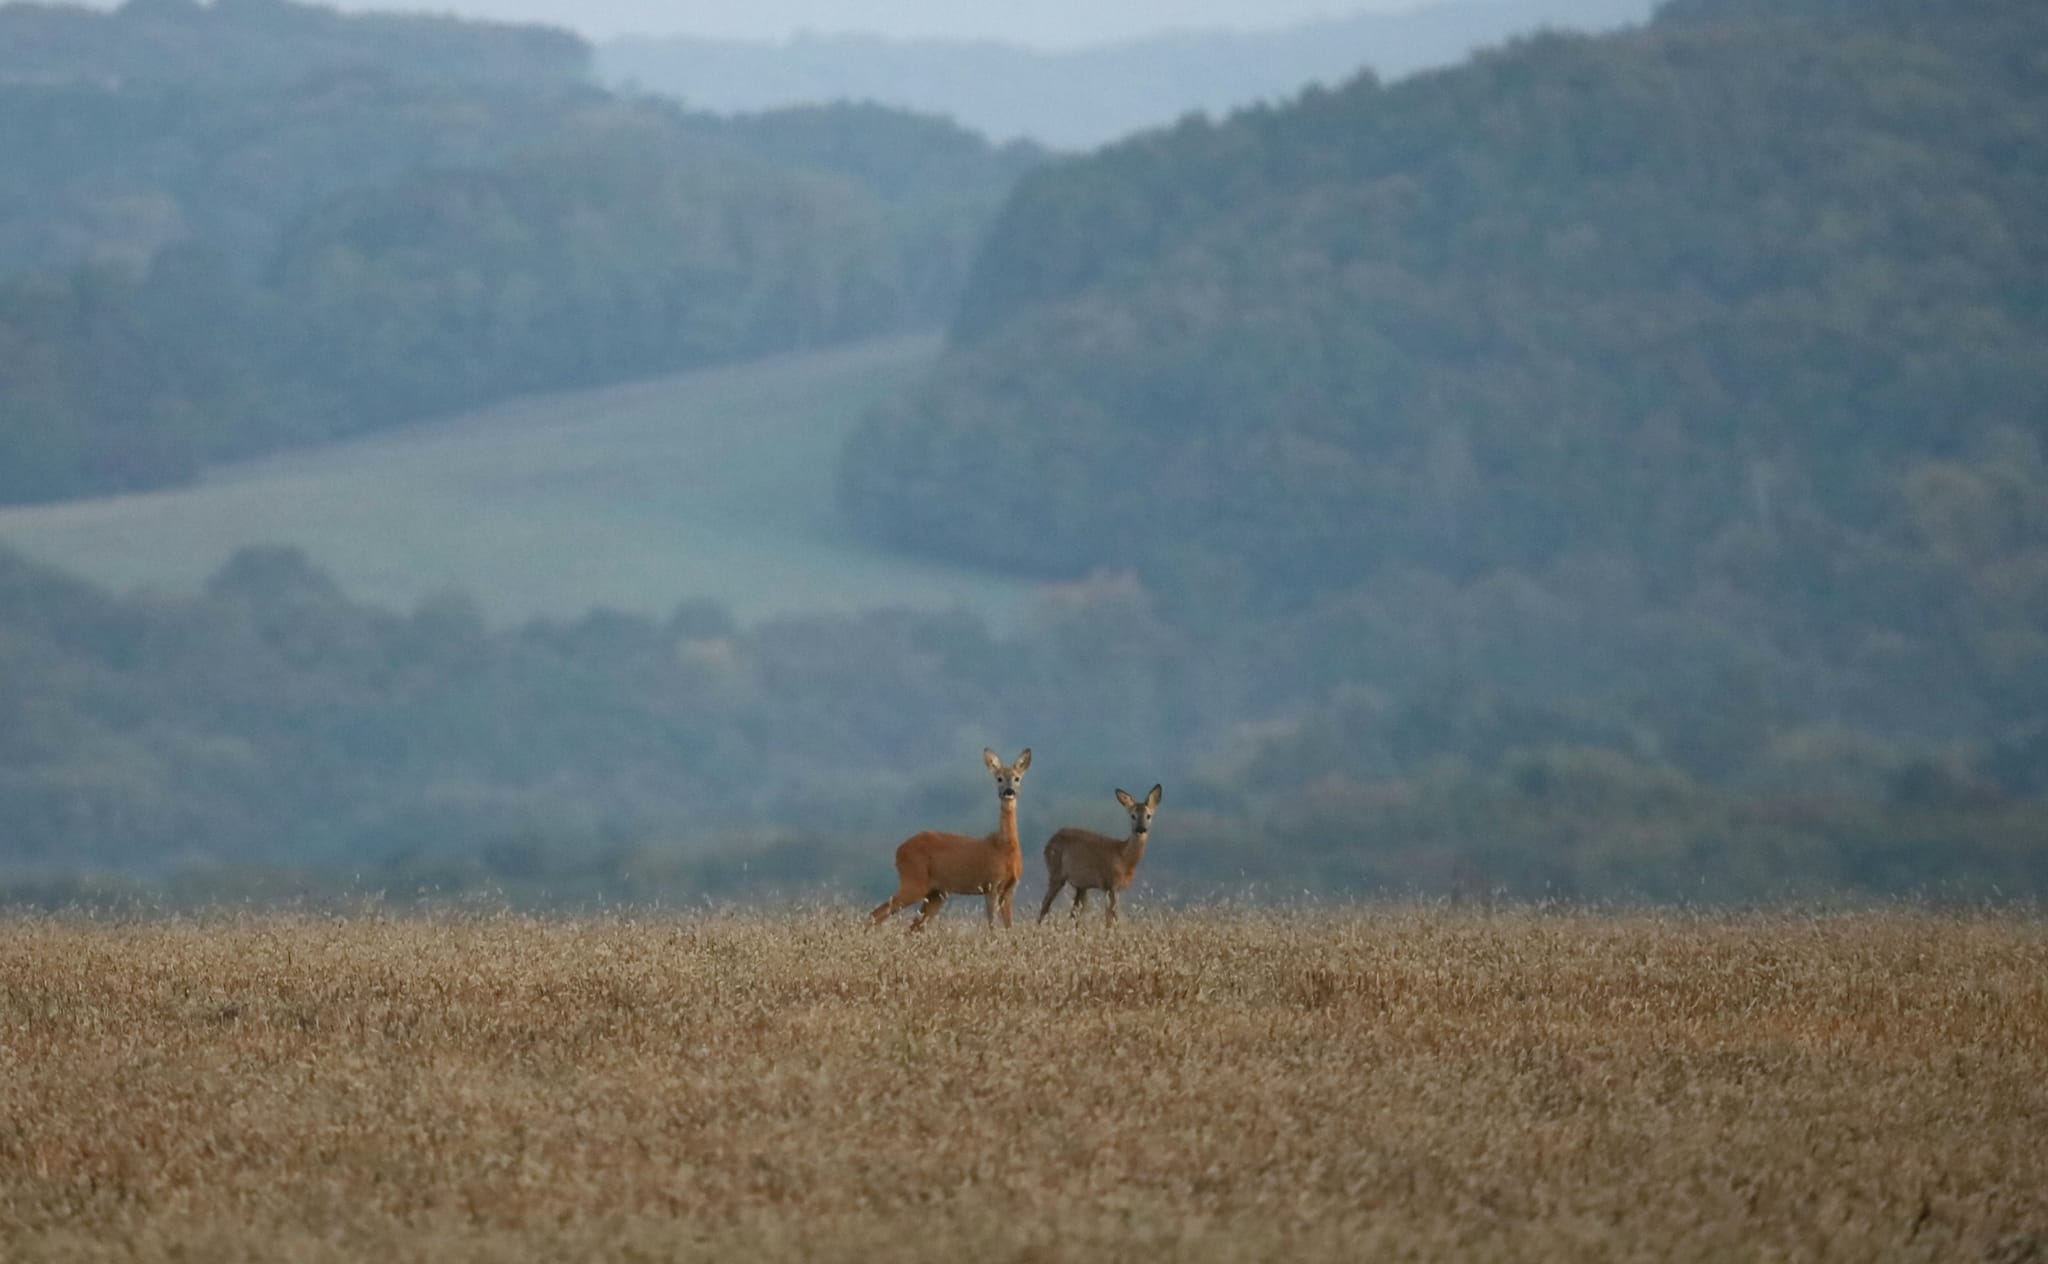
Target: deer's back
{"points": [[956, 863], [1084, 857]]}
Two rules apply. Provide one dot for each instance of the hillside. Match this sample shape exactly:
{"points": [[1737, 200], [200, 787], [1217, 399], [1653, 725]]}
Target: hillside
{"points": [[1080, 98], [1691, 372], [197, 264], [714, 485], [126, 132]]}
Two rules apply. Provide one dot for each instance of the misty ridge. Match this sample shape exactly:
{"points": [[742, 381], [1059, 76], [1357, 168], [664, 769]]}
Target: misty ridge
{"points": [[1080, 98], [1608, 467]]}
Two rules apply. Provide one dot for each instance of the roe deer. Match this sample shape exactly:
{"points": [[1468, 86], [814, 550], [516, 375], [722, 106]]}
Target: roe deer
{"points": [[931, 866], [1089, 861]]}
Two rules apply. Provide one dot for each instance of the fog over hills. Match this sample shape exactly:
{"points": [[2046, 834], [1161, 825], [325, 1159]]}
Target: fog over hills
{"points": [[1076, 98]]}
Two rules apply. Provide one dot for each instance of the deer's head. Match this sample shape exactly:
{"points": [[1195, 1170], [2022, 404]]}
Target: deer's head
{"points": [[1141, 810], [1008, 776]]}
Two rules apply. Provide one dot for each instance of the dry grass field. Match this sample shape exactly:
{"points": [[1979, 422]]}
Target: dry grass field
{"points": [[1381, 1083]]}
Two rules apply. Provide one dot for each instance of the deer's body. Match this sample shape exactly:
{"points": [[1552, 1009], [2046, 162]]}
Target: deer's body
{"points": [[1088, 861], [933, 865]]}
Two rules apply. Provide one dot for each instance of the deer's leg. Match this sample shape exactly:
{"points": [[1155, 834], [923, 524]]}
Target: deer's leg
{"points": [[1052, 892], [1009, 896], [1080, 901], [931, 906], [991, 897], [1112, 906], [907, 894]]}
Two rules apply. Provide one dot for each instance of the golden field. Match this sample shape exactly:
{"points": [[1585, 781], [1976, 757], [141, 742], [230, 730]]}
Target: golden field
{"points": [[1379, 1083]]}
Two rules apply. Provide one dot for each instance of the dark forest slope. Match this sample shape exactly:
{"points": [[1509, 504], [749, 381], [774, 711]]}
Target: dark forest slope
{"points": [[1737, 326]]}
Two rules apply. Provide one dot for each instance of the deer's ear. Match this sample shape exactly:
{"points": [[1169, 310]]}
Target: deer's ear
{"points": [[989, 757], [1126, 800], [1152, 799], [1024, 760]]}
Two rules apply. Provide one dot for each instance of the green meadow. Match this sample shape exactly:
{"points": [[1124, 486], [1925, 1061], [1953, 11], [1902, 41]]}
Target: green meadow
{"points": [[711, 484]]}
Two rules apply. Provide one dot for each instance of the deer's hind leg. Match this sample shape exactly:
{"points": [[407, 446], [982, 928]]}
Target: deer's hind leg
{"points": [[1053, 887], [903, 899], [909, 891], [1055, 880], [932, 901]]}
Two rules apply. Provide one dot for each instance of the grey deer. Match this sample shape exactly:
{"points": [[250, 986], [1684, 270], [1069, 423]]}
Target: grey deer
{"points": [[1088, 861]]}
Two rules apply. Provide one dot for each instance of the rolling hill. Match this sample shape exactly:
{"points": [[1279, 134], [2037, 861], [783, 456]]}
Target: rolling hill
{"points": [[293, 231], [713, 484]]}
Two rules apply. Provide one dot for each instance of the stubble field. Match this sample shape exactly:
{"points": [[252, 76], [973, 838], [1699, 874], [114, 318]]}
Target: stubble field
{"points": [[1389, 1082]]}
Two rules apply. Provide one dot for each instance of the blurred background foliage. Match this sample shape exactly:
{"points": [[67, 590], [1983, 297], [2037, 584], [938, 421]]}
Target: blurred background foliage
{"points": [[1609, 468]]}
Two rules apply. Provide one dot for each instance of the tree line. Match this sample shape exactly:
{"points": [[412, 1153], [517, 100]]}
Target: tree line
{"points": [[270, 734]]}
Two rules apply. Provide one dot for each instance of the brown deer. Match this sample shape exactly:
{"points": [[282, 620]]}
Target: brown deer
{"points": [[1088, 861], [932, 865]]}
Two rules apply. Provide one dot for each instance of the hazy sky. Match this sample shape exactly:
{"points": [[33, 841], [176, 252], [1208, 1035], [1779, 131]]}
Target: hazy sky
{"points": [[1049, 23]]}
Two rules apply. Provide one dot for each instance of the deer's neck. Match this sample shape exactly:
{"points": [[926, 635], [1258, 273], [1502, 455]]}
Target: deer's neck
{"points": [[1006, 827], [1134, 849]]}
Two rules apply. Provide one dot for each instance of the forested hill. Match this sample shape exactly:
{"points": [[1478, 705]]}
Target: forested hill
{"points": [[1737, 325], [291, 229]]}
